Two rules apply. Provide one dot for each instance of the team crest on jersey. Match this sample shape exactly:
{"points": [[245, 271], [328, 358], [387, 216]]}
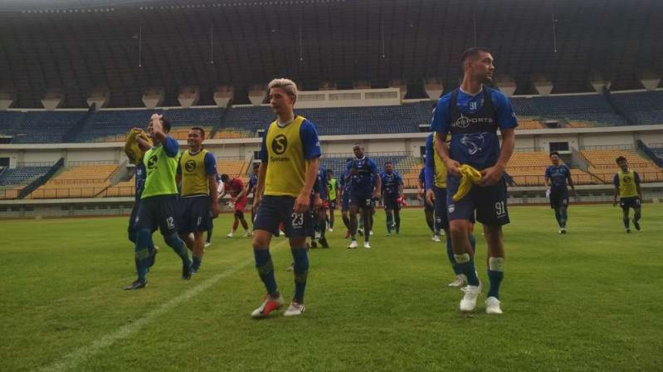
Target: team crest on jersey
{"points": [[190, 165], [626, 179], [152, 161], [280, 144]]}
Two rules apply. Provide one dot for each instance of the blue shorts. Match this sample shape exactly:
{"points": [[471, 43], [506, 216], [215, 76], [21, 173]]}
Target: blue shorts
{"points": [[391, 202], [489, 203], [193, 214], [158, 212], [345, 202], [441, 217], [559, 198], [361, 198], [132, 218], [276, 209], [629, 202]]}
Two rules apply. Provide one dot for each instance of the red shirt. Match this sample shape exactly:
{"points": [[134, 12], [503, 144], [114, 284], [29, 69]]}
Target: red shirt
{"points": [[234, 187]]}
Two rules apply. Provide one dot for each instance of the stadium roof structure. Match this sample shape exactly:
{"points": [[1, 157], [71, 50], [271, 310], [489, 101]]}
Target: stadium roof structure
{"points": [[129, 46]]}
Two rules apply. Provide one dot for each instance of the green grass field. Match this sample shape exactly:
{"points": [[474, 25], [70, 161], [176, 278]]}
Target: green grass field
{"points": [[586, 301]]}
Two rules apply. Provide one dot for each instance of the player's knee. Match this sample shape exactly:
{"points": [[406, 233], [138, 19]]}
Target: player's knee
{"points": [[239, 214]]}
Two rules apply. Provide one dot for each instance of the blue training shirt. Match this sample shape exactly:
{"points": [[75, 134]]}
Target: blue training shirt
{"points": [[558, 176], [474, 138], [391, 183], [364, 179]]}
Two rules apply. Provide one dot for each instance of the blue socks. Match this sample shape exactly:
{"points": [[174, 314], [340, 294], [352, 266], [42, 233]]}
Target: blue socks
{"points": [[465, 263], [300, 256], [397, 218], [627, 223], [179, 247], [266, 270], [495, 275], [389, 222], [450, 253], [563, 216], [143, 237]]}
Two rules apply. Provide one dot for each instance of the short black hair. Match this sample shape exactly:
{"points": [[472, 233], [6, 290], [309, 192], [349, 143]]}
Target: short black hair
{"points": [[225, 178], [165, 123], [473, 52], [554, 153], [330, 171], [621, 158], [385, 164], [202, 131]]}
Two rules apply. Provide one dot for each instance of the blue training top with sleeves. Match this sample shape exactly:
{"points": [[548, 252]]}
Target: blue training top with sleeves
{"points": [[364, 179], [558, 176], [391, 183], [473, 122]]}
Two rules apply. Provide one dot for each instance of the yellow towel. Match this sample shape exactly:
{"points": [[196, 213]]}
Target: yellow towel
{"points": [[468, 176], [131, 148]]}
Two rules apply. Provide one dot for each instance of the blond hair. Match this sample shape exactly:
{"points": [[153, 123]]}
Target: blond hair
{"points": [[287, 85]]}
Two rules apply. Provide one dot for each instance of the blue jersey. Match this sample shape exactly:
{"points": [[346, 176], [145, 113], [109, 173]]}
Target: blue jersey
{"points": [[422, 176], [140, 180], [391, 183], [344, 185], [558, 176], [253, 182], [364, 178], [321, 183], [473, 122]]}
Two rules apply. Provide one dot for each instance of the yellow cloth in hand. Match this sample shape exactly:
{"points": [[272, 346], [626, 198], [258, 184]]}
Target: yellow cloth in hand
{"points": [[468, 176], [131, 148]]}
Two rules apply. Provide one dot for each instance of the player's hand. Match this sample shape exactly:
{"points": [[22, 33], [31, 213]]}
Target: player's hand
{"points": [[377, 195], [155, 116], [452, 167], [430, 197], [491, 176], [233, 200], [318, 201], [257, 199], [216, 210], [420, 195], [302, 202], [353, 171]]}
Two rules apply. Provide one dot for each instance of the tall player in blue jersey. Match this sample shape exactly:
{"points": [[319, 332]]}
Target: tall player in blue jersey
{"points": [[366, 185], [473, 114], [392, 189], [555, 179]]}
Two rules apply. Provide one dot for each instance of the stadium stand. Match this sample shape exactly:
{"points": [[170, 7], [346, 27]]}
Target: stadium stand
{"points": [[528, 169], [83, 181], [12, 180], [38, 126], [592, 108], [603, 164], [645, 107], [337, 121], [113, 125]]}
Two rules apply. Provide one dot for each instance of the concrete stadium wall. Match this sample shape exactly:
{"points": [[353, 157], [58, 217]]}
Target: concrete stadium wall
{"points": [[338, 145]]}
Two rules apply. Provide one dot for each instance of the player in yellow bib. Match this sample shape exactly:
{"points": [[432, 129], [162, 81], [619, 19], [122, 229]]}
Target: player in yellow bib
{"points": [[159, 201], [197, 173], [290, 155], [627, 187]]}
